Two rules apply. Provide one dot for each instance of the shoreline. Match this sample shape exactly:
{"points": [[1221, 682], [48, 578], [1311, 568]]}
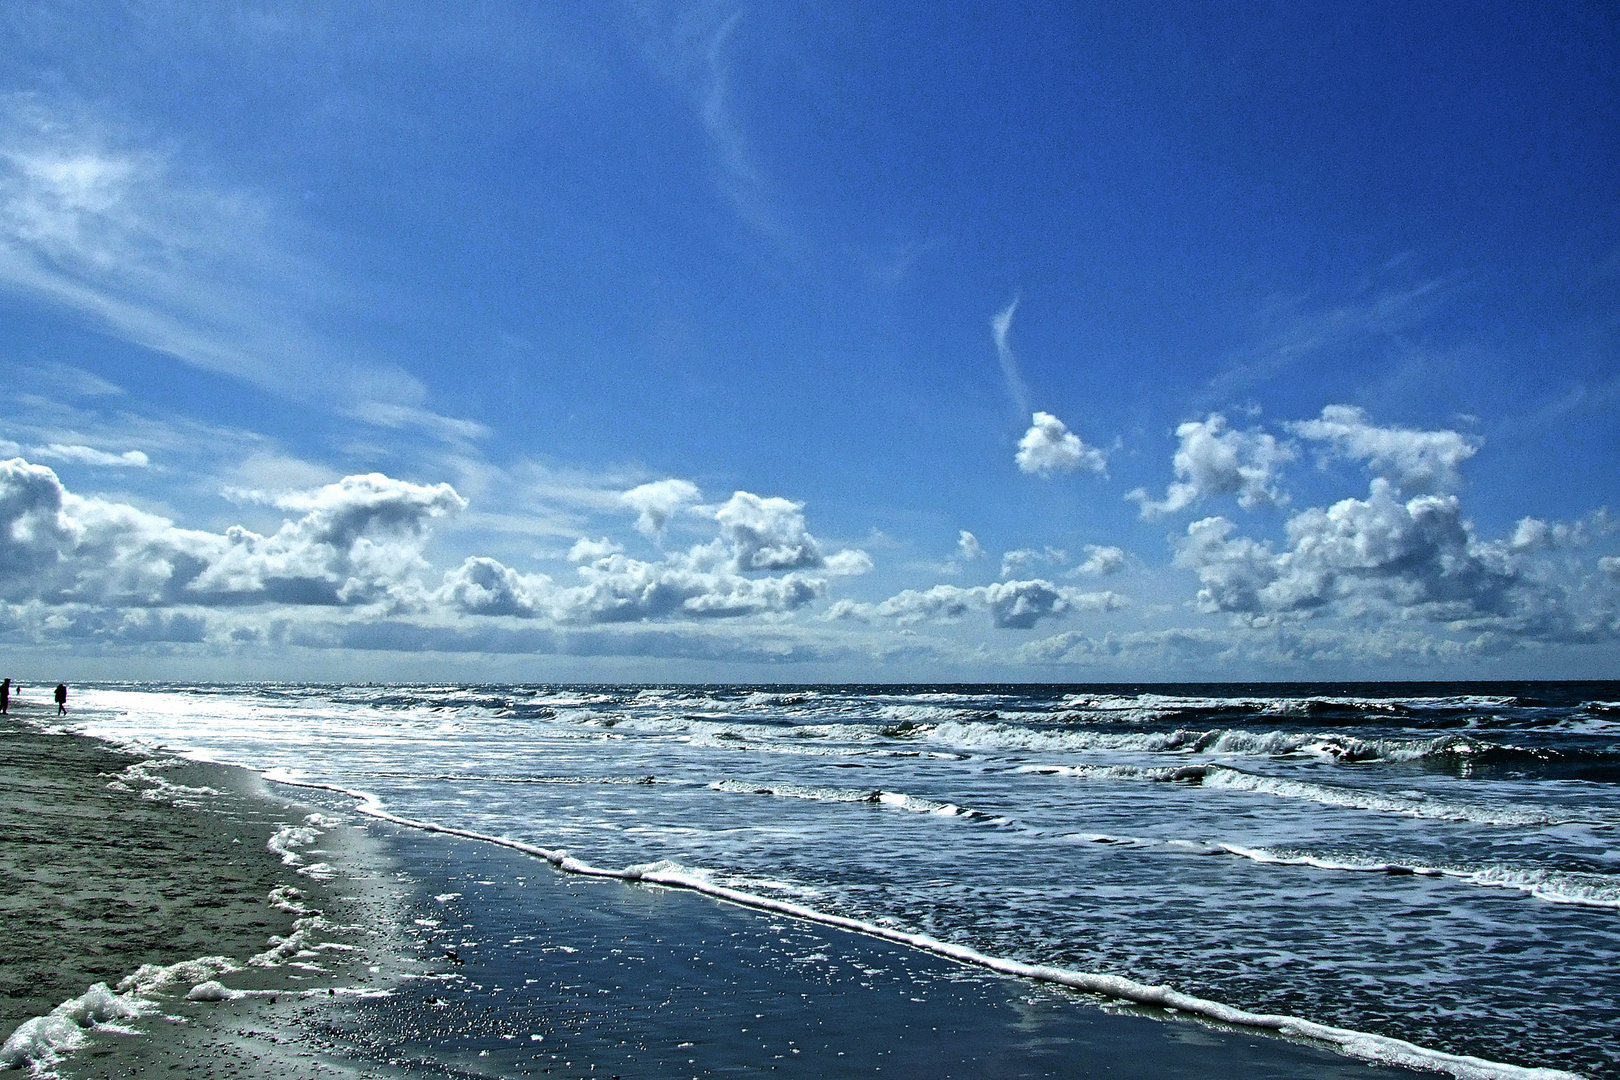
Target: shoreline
{"points": [[273, 1020], [1368, 1049], [152, 904]]}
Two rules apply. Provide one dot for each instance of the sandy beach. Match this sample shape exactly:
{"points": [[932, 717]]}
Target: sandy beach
{"points": [[114, 860], [146, 874]]}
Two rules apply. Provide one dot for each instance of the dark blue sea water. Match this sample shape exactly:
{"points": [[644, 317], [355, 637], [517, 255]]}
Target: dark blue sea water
{"points": [[1433, 863]]}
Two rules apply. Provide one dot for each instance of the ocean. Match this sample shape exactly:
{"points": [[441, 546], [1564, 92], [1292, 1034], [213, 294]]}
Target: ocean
{"points": [[1419, 873]]}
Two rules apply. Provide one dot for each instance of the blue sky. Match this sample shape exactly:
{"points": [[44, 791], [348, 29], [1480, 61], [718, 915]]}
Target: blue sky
{"points": [[798, 342]]}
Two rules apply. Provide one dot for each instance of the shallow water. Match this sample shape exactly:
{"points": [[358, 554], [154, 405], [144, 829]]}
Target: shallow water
{"points": [[1435, 863]]}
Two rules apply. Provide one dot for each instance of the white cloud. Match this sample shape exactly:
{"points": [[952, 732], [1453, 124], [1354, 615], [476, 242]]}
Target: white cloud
{"points": [[588, 550], [87, 455], [1215, 460], [939, 602], [767, 534], [400, 417], [657, 502], [1022, 560], [1415, 462], [1387, 559], [1610, 565], [135, 242], [967, 545], [1001, 329], [1020, 605], [618, 589], [850, 562], [483, 586], [1534, 534], [1016, 605], [1049, 446], [1101, 561], [266, 476], [739, 573], [358, 542], [1418, 556]]}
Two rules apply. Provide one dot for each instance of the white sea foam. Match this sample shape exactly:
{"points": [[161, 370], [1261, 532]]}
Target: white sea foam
{"points": [[141, 776], [41, 1043], [1357, 1044], [1414, 804], [893, 799], [1232, 742], [1553, 886], [1385, 802], [1164, 705]]}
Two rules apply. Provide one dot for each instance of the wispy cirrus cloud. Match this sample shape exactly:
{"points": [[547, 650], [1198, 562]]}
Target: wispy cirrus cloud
{"points": [[1001, 331], [131, 238], [89, 455], [690, 46], [1299, 331]]}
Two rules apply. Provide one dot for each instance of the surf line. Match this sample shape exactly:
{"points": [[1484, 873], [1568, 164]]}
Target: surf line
{"points": [[1365, 1046]]}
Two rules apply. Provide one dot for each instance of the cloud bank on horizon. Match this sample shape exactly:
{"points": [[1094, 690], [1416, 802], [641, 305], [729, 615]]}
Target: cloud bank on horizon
{"points": [[654, 345]]}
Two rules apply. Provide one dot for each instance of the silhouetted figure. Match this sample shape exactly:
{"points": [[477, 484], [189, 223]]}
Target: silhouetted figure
{"points": [[61, 698], [5, 697]]}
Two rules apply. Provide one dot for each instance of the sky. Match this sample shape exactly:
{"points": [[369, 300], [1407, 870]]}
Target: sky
{"points": [[802, 342]]}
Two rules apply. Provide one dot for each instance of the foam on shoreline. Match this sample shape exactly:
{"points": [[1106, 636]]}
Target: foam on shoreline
{"points": [[214, 812], [1360, 1045]]}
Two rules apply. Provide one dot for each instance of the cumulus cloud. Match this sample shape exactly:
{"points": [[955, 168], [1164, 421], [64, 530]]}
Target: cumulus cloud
{"points": [[1101, 561], [1214, 459], [1535, 534], [657, 502], [1385, 559], [850, 562], [588, 550], [1050, 447], [1415, 462], [967, 546], [1016, 605], [768, 534], [755, 566], [357, 541], [1403, 554], [1417, 555], [1022, 560], [483, 586], [617, 589], [1020, 605]]}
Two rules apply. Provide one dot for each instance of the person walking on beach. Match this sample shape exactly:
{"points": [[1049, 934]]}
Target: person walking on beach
{"points": [[5, 697], [61, 698]]}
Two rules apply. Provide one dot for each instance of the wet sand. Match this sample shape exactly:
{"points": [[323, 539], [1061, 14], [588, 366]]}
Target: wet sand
{"points": [[111, 859], [520, 970]]}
